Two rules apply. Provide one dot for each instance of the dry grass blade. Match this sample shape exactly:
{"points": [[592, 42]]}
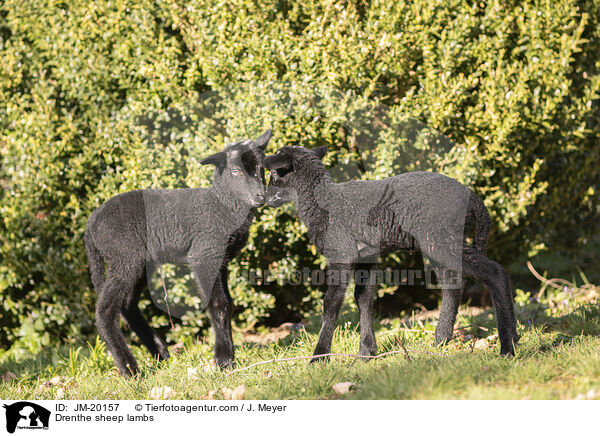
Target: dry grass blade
{"points": [[404, 349]]}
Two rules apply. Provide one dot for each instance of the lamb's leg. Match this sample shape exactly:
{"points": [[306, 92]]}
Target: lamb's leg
{"points": [[136, 321], [451, 296], [495, 278], [363, 294], [339, 276], [108, 309], [219, 307]]}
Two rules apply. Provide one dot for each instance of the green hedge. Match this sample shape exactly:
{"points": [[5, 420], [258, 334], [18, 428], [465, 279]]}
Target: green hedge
{"points": [[102, 97]]}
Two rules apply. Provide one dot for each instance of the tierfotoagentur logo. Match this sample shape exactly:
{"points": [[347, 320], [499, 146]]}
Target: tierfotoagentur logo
{"points": [[24, 415], [319, 277]]}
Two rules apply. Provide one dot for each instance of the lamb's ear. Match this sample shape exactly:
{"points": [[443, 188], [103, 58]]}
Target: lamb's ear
{"points": [[217, 159], [264, 139], [320, 151], [277, 161]]}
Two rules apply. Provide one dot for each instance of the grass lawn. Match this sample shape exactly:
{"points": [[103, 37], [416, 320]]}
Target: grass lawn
{"points": [[558, 357]]}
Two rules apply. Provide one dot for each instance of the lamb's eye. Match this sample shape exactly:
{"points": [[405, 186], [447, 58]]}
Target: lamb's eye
{"points": [[235, 172], [282, 172]]}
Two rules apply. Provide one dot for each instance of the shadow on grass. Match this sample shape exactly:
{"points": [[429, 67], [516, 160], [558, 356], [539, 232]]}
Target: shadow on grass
{"points": [[472, 324], [63, 359], [478, 323], [27, 365], [583, 320]]}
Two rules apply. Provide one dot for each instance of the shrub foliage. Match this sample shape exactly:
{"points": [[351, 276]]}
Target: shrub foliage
{"points": [[102, 97]]}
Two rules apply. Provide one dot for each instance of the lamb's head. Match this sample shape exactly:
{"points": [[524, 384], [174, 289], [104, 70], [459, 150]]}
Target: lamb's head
{"points": [[240, 169], [289, 167]]}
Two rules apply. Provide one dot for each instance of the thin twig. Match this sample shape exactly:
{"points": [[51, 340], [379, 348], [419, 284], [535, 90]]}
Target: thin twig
{"points": [[551, 282], [246, 329], [404, 349], [562, 283], [403, 329], [356, 356], [472, 325]]}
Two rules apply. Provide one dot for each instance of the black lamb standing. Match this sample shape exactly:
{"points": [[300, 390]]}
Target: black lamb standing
{"points": [[132, 233], [353, 223]]}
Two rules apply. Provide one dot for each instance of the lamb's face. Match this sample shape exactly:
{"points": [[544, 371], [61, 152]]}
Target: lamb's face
{"points": [[282, 165], [240, 169], [244, 174], [278, 191]]}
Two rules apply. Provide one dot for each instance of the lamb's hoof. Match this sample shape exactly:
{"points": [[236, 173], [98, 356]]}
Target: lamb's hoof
{"points": [[507, 346], [442, 338], [366, 355], [130, 370], [224, 363], [440, 342]]}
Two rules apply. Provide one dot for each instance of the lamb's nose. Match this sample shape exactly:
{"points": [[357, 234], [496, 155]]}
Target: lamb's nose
{"points": [[260, 198]]}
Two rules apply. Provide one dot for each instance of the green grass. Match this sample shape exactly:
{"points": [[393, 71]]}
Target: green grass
{"points": [[558, 357]]}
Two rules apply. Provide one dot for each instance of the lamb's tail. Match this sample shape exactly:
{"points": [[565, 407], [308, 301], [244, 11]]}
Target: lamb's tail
{"points": [[95, 261], [479, 216]]}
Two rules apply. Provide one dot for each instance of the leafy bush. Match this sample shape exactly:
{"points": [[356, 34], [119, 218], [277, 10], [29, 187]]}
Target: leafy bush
{"points": [[104, 97]]}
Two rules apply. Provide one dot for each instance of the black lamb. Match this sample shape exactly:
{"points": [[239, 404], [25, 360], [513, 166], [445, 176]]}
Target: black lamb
{"points": [[354, 222], [132, 233]]}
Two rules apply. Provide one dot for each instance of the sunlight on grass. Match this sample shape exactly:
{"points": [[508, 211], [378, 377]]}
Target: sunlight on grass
{"points": [[558, 357]]}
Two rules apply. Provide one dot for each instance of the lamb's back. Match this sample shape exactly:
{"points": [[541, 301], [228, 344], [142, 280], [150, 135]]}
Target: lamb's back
{"points": [[421, 189], [163, 223], [416, 200]]}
